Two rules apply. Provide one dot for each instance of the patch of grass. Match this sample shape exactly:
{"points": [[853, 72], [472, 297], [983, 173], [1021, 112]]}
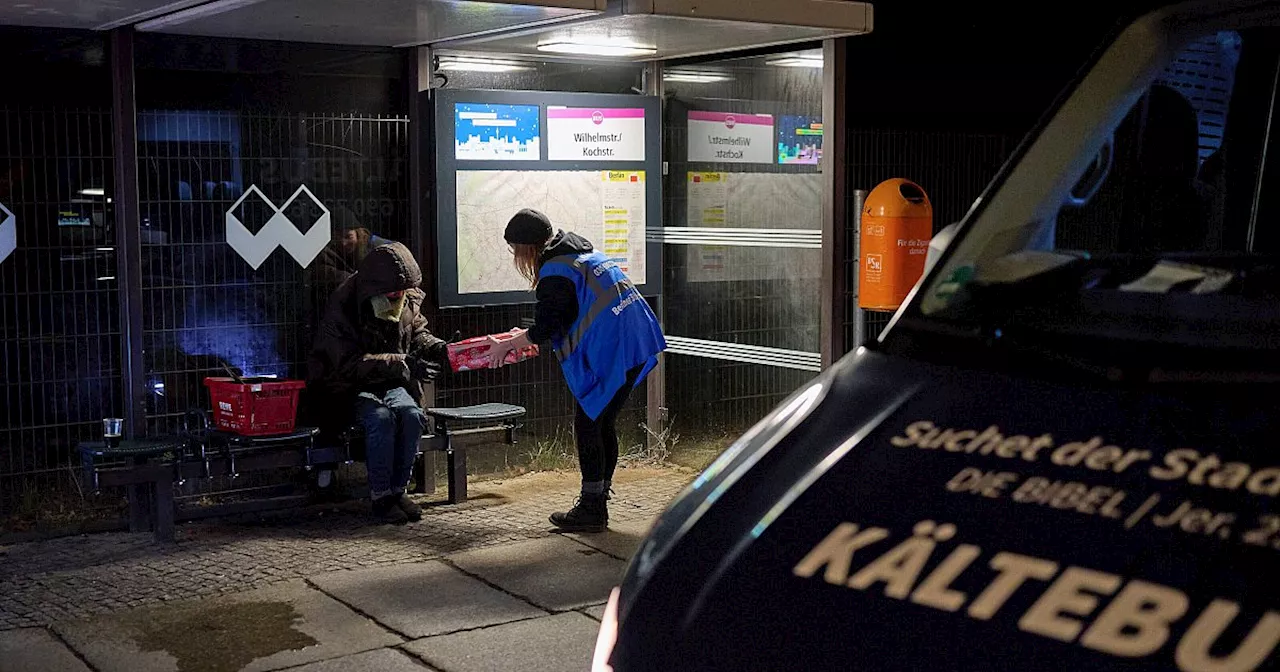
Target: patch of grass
{"points": [[57, 502], [554, 453], [558, 452], [698, 453], [654, 450]]}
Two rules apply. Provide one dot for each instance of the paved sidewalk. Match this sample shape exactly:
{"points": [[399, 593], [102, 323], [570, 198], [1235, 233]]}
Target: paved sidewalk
{"points": [[481, 586]]}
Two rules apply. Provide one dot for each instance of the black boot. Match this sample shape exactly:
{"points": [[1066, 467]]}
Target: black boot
{"points": [[589, 514], [411, 510], [386, 510]]}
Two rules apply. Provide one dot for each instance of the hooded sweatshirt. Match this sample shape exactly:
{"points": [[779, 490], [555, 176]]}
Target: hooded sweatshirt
{"points": [[355, 351], [557, 307]]}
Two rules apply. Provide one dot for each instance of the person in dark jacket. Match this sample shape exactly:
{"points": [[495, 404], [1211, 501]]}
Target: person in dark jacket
{"points": [[342, 256], [374, 352], [604, 334]]}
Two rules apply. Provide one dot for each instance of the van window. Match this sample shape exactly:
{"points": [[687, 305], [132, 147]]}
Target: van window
{"points": [[1171, 237], [1166, 188]]}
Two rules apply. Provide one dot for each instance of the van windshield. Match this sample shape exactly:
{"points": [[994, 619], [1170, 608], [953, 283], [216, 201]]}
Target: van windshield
{"points": [[1171, 237]]}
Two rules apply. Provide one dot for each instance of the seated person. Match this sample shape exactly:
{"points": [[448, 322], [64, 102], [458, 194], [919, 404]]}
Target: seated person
{"points": [[373, 353]]}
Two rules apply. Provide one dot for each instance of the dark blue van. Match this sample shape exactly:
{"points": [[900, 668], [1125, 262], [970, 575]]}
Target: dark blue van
{"points": [[1062, 453]]}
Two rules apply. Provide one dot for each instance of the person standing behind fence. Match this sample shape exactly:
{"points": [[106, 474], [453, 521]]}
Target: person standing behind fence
{"points": [[605, 336], [374, 354]]}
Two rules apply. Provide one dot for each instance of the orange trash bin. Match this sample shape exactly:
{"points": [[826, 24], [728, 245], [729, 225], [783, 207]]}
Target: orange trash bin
{"points": [[897, 224]]}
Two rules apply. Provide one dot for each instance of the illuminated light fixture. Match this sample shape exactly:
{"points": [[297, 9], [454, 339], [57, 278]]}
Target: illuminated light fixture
{"points": [[795, 61], [590, 49], [197, 12], [93, 191], [694, 77], [473, 64]]}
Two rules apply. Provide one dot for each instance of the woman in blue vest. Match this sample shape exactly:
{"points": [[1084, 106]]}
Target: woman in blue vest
{"points": [[605, 336]]}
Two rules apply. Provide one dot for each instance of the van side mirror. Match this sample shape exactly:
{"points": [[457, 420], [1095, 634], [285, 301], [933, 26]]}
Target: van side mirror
{"points": [[1088, 186], [937, 244]]}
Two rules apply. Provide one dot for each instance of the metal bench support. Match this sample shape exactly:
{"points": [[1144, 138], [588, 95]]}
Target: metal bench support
{"points": [[457, 473], [486, 419], [424, 473]]}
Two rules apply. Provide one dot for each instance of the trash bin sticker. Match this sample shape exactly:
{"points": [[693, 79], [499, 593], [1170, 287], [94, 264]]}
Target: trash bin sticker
{"points": [[279, 231], [8, 233]]}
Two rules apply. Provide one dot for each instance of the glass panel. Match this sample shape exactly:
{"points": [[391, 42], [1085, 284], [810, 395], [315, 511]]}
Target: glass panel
{"points": [[538, 385], [251, 136], [59, 307], [743, 138]]}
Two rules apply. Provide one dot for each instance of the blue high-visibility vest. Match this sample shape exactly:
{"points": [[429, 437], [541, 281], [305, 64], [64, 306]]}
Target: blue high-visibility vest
{"points": [[615, 332]]}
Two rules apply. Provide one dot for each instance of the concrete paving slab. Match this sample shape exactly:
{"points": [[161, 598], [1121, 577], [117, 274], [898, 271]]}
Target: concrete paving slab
{"points": [[596, 612], [380, 660], [424, 599], [554, 573], [36, 649], [280, 626], [621, 540], [558, 643]]}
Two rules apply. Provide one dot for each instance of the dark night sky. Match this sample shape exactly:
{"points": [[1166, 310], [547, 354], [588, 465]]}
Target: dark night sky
{"points": [[997, 67]]}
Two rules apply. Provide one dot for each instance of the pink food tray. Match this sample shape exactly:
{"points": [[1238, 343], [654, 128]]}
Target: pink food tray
{"points": [[473, 353]]}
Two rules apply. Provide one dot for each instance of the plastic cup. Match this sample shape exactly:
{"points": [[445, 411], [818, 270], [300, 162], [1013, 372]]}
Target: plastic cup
{"points": [[112, 429]]}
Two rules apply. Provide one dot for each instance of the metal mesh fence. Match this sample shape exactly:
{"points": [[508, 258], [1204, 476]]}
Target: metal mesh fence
{"points": [[59, 316]]}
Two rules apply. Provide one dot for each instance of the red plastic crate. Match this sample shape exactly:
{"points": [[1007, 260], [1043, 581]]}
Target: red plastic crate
{"points": [[256, 407]]}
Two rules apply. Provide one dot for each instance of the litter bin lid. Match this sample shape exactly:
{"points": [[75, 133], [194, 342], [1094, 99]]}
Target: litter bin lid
{"points": [[897, 198]]}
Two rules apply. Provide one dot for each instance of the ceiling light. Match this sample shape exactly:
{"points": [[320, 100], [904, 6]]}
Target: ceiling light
{"points": [[694, 77], [470, 64], [795, 61], [586, 49], [93, 191]]}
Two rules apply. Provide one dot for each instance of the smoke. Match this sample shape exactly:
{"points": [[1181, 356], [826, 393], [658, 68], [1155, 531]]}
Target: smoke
{"points": [[233, 330]]}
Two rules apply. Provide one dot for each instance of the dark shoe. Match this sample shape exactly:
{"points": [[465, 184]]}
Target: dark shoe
{"points": [[386, 510], [589, 514], [411, 510]]}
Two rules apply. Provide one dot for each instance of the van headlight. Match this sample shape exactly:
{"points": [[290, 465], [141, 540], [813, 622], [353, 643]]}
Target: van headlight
{"points": [[711, 484], [608, 636]]}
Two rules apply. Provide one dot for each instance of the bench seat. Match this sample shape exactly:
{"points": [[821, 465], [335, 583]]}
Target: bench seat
{"points": [[150, 468]]}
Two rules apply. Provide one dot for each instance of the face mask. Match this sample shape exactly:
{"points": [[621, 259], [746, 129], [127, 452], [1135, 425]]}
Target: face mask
{"points": [[388, 309]]}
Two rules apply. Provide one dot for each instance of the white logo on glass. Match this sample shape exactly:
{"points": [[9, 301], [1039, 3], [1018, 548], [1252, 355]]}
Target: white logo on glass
{"points": [[279, 231], [8, 232]]}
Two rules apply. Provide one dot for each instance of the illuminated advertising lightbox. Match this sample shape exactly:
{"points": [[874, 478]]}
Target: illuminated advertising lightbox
{"points": [[799, 140], [487, 132]]}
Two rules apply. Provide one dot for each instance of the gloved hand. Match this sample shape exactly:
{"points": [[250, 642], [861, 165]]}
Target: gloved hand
{"points": [[441, 353], [423, 369]]}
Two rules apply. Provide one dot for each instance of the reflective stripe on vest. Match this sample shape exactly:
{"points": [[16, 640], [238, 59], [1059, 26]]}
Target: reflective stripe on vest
{"points": [[604, 297]]}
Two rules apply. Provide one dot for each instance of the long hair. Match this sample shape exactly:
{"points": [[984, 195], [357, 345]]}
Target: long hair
{"points": [[528, 260]]}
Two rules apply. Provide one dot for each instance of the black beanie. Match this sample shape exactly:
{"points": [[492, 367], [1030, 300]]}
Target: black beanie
{"points": [[528, 227]]}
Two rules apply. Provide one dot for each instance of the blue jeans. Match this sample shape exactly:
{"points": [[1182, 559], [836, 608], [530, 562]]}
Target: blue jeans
{"points": [[392, 426]]}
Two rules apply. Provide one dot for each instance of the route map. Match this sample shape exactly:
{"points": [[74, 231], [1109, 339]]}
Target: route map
{"points": [[577, 201]]}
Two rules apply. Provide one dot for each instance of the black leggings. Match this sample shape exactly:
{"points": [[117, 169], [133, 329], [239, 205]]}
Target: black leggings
{"points": [[598, 439]]}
